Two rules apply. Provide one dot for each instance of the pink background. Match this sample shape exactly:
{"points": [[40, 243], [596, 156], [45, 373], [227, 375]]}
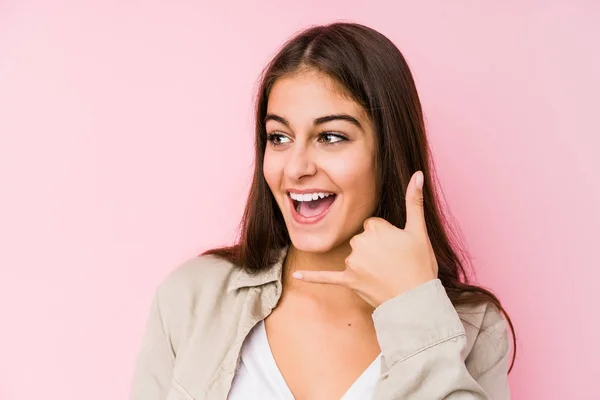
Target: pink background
{"points": [[126, 146]]}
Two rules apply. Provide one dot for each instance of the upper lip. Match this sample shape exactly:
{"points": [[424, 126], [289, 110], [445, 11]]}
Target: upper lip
{"points": [[306, 191]]}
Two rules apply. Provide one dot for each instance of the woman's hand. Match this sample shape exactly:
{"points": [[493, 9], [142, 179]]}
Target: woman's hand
{"points": [[386, 261]]}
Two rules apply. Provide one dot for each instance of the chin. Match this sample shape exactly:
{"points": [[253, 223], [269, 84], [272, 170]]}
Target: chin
{"points": [[313, 243]]}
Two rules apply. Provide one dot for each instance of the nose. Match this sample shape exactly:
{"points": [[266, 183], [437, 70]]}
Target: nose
{"points": [[300, 163]]}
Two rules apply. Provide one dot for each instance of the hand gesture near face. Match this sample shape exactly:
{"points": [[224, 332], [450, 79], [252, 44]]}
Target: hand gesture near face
{"points": [[386, 261]]}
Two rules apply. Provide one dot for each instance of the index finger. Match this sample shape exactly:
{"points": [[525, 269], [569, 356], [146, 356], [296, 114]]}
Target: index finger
{"points": [[326, 277]]}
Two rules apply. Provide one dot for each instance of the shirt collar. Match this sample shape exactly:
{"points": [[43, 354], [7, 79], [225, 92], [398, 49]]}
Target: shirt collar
{"points": [[243, 278]]}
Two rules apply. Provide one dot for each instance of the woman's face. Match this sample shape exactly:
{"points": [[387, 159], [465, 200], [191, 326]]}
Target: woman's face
{"points": [[319, 161]]}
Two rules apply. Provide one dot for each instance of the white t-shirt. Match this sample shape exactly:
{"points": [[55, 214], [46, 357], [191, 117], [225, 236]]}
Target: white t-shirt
{"points": [[258, 376]]}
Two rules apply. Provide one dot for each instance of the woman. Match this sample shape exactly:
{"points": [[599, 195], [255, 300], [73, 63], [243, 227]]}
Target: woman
{"points": [[344, 283]]}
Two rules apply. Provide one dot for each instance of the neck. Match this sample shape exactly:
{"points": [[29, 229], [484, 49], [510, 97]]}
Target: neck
{"points": [[333, 260]]}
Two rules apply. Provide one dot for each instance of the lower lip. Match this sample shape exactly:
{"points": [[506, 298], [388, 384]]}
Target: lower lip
{"points": [[301, 219]]}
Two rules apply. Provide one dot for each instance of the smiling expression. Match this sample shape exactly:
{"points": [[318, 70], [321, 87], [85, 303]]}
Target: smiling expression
{"points": [[319, 161]]}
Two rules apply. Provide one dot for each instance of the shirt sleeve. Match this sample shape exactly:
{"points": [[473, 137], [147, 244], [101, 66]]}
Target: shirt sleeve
{"points": [[423, 342], [155, 360]]}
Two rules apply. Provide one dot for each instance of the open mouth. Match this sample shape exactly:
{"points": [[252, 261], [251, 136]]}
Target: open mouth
{"points": [[309, 207]]}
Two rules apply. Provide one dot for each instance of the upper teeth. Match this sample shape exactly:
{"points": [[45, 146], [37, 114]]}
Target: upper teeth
{"points": [[309, 196]]}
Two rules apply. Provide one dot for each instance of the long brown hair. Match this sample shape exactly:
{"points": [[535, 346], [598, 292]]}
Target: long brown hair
{"points": [[374, 73]]}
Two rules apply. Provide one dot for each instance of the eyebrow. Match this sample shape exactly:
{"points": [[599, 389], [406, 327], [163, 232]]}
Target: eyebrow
{"points": [[317, 121]]}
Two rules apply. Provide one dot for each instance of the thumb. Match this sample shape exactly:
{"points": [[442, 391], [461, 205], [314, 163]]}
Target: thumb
{"points": [[415, 214]]}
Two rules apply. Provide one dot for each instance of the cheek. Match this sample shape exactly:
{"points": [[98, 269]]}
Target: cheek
{"points": [[272, 170], [355, 177]]}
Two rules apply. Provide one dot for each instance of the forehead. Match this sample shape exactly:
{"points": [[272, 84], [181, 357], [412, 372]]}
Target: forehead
{"points": [[310, 94]]}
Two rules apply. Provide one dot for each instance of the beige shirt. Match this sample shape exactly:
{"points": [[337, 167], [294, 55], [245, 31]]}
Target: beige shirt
{"points": [[205, 308]]}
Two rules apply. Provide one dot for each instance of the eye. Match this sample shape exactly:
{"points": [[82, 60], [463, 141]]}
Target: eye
{"points": [[277, 139], [332, 138]]}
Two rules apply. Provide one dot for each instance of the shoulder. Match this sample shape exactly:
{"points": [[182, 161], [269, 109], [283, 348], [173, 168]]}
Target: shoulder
{"points": [[194, 289], [200, 277], [197, 274], [480, 317], [488, 335], [193, 294]]}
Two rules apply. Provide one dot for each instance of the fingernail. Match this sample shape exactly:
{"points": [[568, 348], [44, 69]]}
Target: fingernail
{"points": [[297, 275], [420, 180]]}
